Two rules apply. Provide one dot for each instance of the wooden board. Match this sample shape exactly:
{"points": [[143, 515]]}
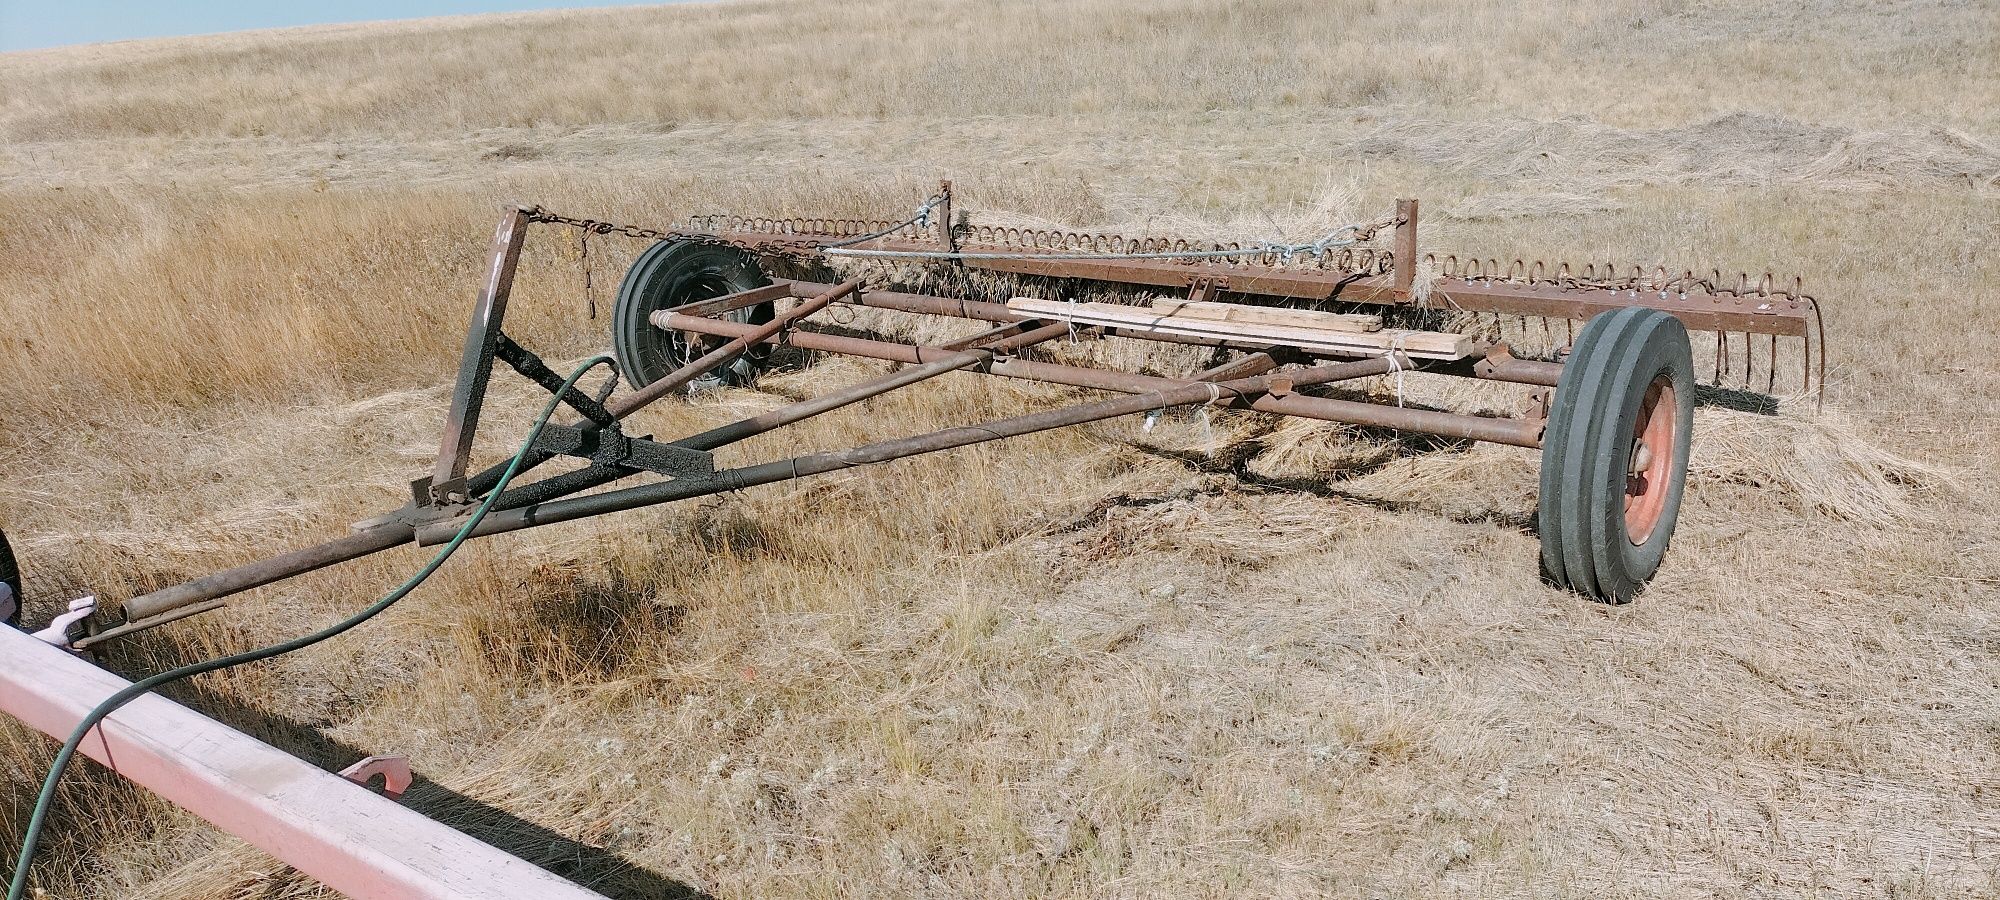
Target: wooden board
{"points": [[1268, 315], [1415, 344]]}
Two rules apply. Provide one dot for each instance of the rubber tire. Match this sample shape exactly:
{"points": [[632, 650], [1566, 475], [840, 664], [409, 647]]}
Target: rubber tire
{"points": [[669, 274], [1587, 449], [10, 574]]}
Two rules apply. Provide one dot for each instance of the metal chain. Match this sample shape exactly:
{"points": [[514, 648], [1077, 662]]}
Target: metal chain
{"points": [[583, 261], [797, 247]]}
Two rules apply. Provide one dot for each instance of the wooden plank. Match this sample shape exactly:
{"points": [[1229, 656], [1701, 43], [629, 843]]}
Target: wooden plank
{"points": [[1425, 344], [1415, 344], [350, 838], [1268, 315]]}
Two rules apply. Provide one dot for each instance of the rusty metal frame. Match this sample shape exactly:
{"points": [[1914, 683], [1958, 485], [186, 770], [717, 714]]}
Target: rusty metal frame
{"points": [[1764, 305], [436, 506], [1255, 381], [322, 824]]}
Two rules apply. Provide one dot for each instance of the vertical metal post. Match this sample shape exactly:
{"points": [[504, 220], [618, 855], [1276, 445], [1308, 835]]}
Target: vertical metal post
{"points": [[1406, 246], [475, 366], [943, 225]]}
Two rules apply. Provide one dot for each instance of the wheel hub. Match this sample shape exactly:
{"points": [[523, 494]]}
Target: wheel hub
{"points": [[1651, 463]]}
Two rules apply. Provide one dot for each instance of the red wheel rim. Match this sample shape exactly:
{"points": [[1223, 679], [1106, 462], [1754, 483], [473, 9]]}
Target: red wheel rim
{"points": [[1651, 464]]}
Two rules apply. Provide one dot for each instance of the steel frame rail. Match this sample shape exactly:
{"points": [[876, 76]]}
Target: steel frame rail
{"points": [[353, 840]]}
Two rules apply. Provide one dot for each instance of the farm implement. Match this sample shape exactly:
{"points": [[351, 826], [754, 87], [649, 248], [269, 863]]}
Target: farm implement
{"points": [[1603, 359]]}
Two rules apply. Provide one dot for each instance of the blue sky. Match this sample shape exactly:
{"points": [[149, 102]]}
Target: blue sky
{"points": [[29, 24]]}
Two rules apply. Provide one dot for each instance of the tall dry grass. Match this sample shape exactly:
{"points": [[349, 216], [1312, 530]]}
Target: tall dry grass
{"points": [[885, 59], [1228, 656]]}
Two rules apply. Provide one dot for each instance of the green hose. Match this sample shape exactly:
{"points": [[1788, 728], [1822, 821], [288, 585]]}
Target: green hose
{"points": [[139, 688]]}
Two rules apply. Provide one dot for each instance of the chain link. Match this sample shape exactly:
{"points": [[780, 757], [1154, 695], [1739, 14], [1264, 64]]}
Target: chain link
{"points": [[801, 248]]}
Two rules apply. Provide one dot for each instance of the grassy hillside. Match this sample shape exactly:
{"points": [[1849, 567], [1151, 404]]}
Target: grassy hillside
{"points": [[1623, 63], [1227, 657]]}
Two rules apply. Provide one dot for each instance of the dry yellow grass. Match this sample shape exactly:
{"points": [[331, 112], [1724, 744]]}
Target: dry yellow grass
{"points": [[1088, 663]]}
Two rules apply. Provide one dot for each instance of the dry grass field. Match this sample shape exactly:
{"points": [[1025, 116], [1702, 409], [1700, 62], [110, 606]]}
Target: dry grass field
{"points": [[1224, 658]]}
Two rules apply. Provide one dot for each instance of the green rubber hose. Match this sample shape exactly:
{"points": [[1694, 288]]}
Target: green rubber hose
{"points": [[139, 688]]}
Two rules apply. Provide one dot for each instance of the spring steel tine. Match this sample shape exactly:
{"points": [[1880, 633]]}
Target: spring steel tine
{"points": [[1771, 378], [1819, 325]]}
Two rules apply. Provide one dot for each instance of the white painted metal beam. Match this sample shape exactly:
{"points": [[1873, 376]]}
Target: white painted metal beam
{"points": [[349, 838]]}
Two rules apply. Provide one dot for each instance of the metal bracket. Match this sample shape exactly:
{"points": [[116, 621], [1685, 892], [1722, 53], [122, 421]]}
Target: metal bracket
{"points": [[942, 226], [395, 772], [68, 626], [1205, 288], [610, 448], [1404, 260], [1489, 363], [1537, 404]]}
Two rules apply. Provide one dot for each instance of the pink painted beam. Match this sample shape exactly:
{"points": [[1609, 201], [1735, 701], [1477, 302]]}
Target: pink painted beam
{"points": [[345, 835]]}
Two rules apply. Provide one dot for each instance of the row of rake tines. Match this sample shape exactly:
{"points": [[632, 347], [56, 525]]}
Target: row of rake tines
{"points": [[1734, 359]]}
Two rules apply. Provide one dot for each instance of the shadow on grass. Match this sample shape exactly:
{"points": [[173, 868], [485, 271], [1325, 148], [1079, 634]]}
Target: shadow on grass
{"points": [[597, 868]]}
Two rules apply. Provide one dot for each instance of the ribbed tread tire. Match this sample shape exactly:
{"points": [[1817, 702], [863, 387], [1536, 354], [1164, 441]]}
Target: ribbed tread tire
{"points": [[1587, 447], [10, 574], [669, 274]]}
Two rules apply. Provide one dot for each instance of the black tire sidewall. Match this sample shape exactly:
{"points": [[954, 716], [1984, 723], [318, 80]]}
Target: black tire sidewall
{"points": [[668, 274], [10, 574]]}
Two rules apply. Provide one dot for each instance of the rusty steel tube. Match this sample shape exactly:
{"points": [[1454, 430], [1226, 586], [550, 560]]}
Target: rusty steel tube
{"points": [[1515, 432], [921, 303], [1182, 394], [1520, 371], [620, 407], [745, 428], [263, 572], [639, 399], [950, 362]]}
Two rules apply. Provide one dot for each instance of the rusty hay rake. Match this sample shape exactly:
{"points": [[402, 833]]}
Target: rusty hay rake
{"points": [[1609, 406], [1610, 393]]}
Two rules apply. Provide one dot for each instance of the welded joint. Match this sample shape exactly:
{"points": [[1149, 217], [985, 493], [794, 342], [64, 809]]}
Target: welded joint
{"points": [[609, 447], [1493, 360], [1539, 403]]}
